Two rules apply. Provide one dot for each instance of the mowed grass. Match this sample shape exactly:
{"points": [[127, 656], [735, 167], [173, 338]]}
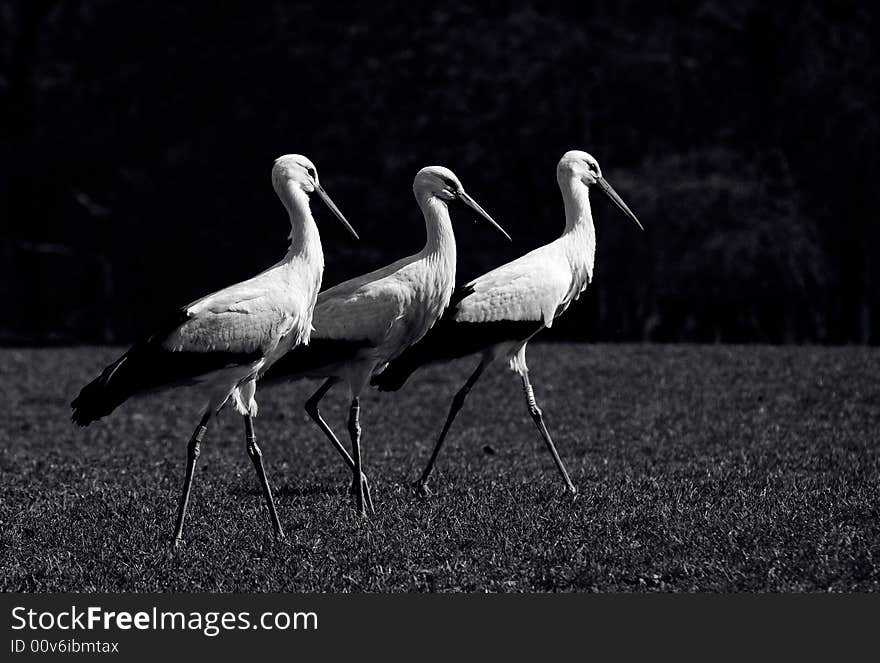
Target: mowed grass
{"points": [[699, 468]]}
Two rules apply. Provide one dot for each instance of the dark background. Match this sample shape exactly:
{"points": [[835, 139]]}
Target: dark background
{"points": [[137, 138]]}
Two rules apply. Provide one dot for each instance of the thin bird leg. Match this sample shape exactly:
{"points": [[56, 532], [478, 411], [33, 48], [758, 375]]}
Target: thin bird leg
{"points": [[354, 430], [193, 451], [315, 414], [538, 418], [457, 402], [256, 456]]}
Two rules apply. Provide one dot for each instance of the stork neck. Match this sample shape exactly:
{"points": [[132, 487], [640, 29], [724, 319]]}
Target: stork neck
{"points": [[305, 241], [579, 223], [576, 197], [438, 226]]}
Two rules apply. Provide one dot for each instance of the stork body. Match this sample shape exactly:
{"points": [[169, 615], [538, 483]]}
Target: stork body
{"points": [[220, 342], [362, 324], [497, 313]]}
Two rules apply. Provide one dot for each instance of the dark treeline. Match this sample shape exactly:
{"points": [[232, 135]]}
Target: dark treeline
{"points": [[136, 141]]}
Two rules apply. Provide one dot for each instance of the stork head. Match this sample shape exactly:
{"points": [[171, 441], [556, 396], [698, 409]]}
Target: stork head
{"points": [[441, 183], [295, 174], [580, 165], [583, 167]]}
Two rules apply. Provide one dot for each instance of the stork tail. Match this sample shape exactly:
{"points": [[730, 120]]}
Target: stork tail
{"points": [[102, 395], [147, 366]]}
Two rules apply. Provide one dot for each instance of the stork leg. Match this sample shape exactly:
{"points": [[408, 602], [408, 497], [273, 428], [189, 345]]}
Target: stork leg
{"points": [[354, 430], [193, 450], [457, 402], [256, 456], [315, 414], [538, 418]]}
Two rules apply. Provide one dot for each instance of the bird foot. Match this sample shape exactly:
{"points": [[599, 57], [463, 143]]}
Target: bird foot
{"points": [[281, 540], [165, 554], [420, 488], [168, 552], [359, 510]]}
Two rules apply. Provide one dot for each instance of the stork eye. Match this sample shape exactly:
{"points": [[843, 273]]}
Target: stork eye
{"points": [[452, 189], [312, 172]]}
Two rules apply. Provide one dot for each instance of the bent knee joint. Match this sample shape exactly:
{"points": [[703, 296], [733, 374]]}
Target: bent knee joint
{"points": [[354, 423], [312, 409], [254, 451], [460, 397], [198, 435], [194, 449]]}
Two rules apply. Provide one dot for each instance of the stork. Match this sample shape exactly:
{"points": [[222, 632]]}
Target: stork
{"points": [[220, 342], [498, 313], [363, 323]]}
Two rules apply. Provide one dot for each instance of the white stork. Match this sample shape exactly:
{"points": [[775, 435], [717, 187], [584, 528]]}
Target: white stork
{"points": [[498, 313], [220, 342], [362, 324]]}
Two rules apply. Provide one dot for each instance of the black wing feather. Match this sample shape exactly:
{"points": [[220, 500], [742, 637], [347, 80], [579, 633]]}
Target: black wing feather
{"points": [[451, 339], [148, 366], [309, 359]]}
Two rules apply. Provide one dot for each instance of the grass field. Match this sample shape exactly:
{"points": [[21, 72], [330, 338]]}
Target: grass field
{"points": [[699, 468]]}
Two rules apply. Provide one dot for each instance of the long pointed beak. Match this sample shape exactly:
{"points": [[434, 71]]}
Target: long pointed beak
{"points": [[474, 205], [323, 195], [611, 193]]}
